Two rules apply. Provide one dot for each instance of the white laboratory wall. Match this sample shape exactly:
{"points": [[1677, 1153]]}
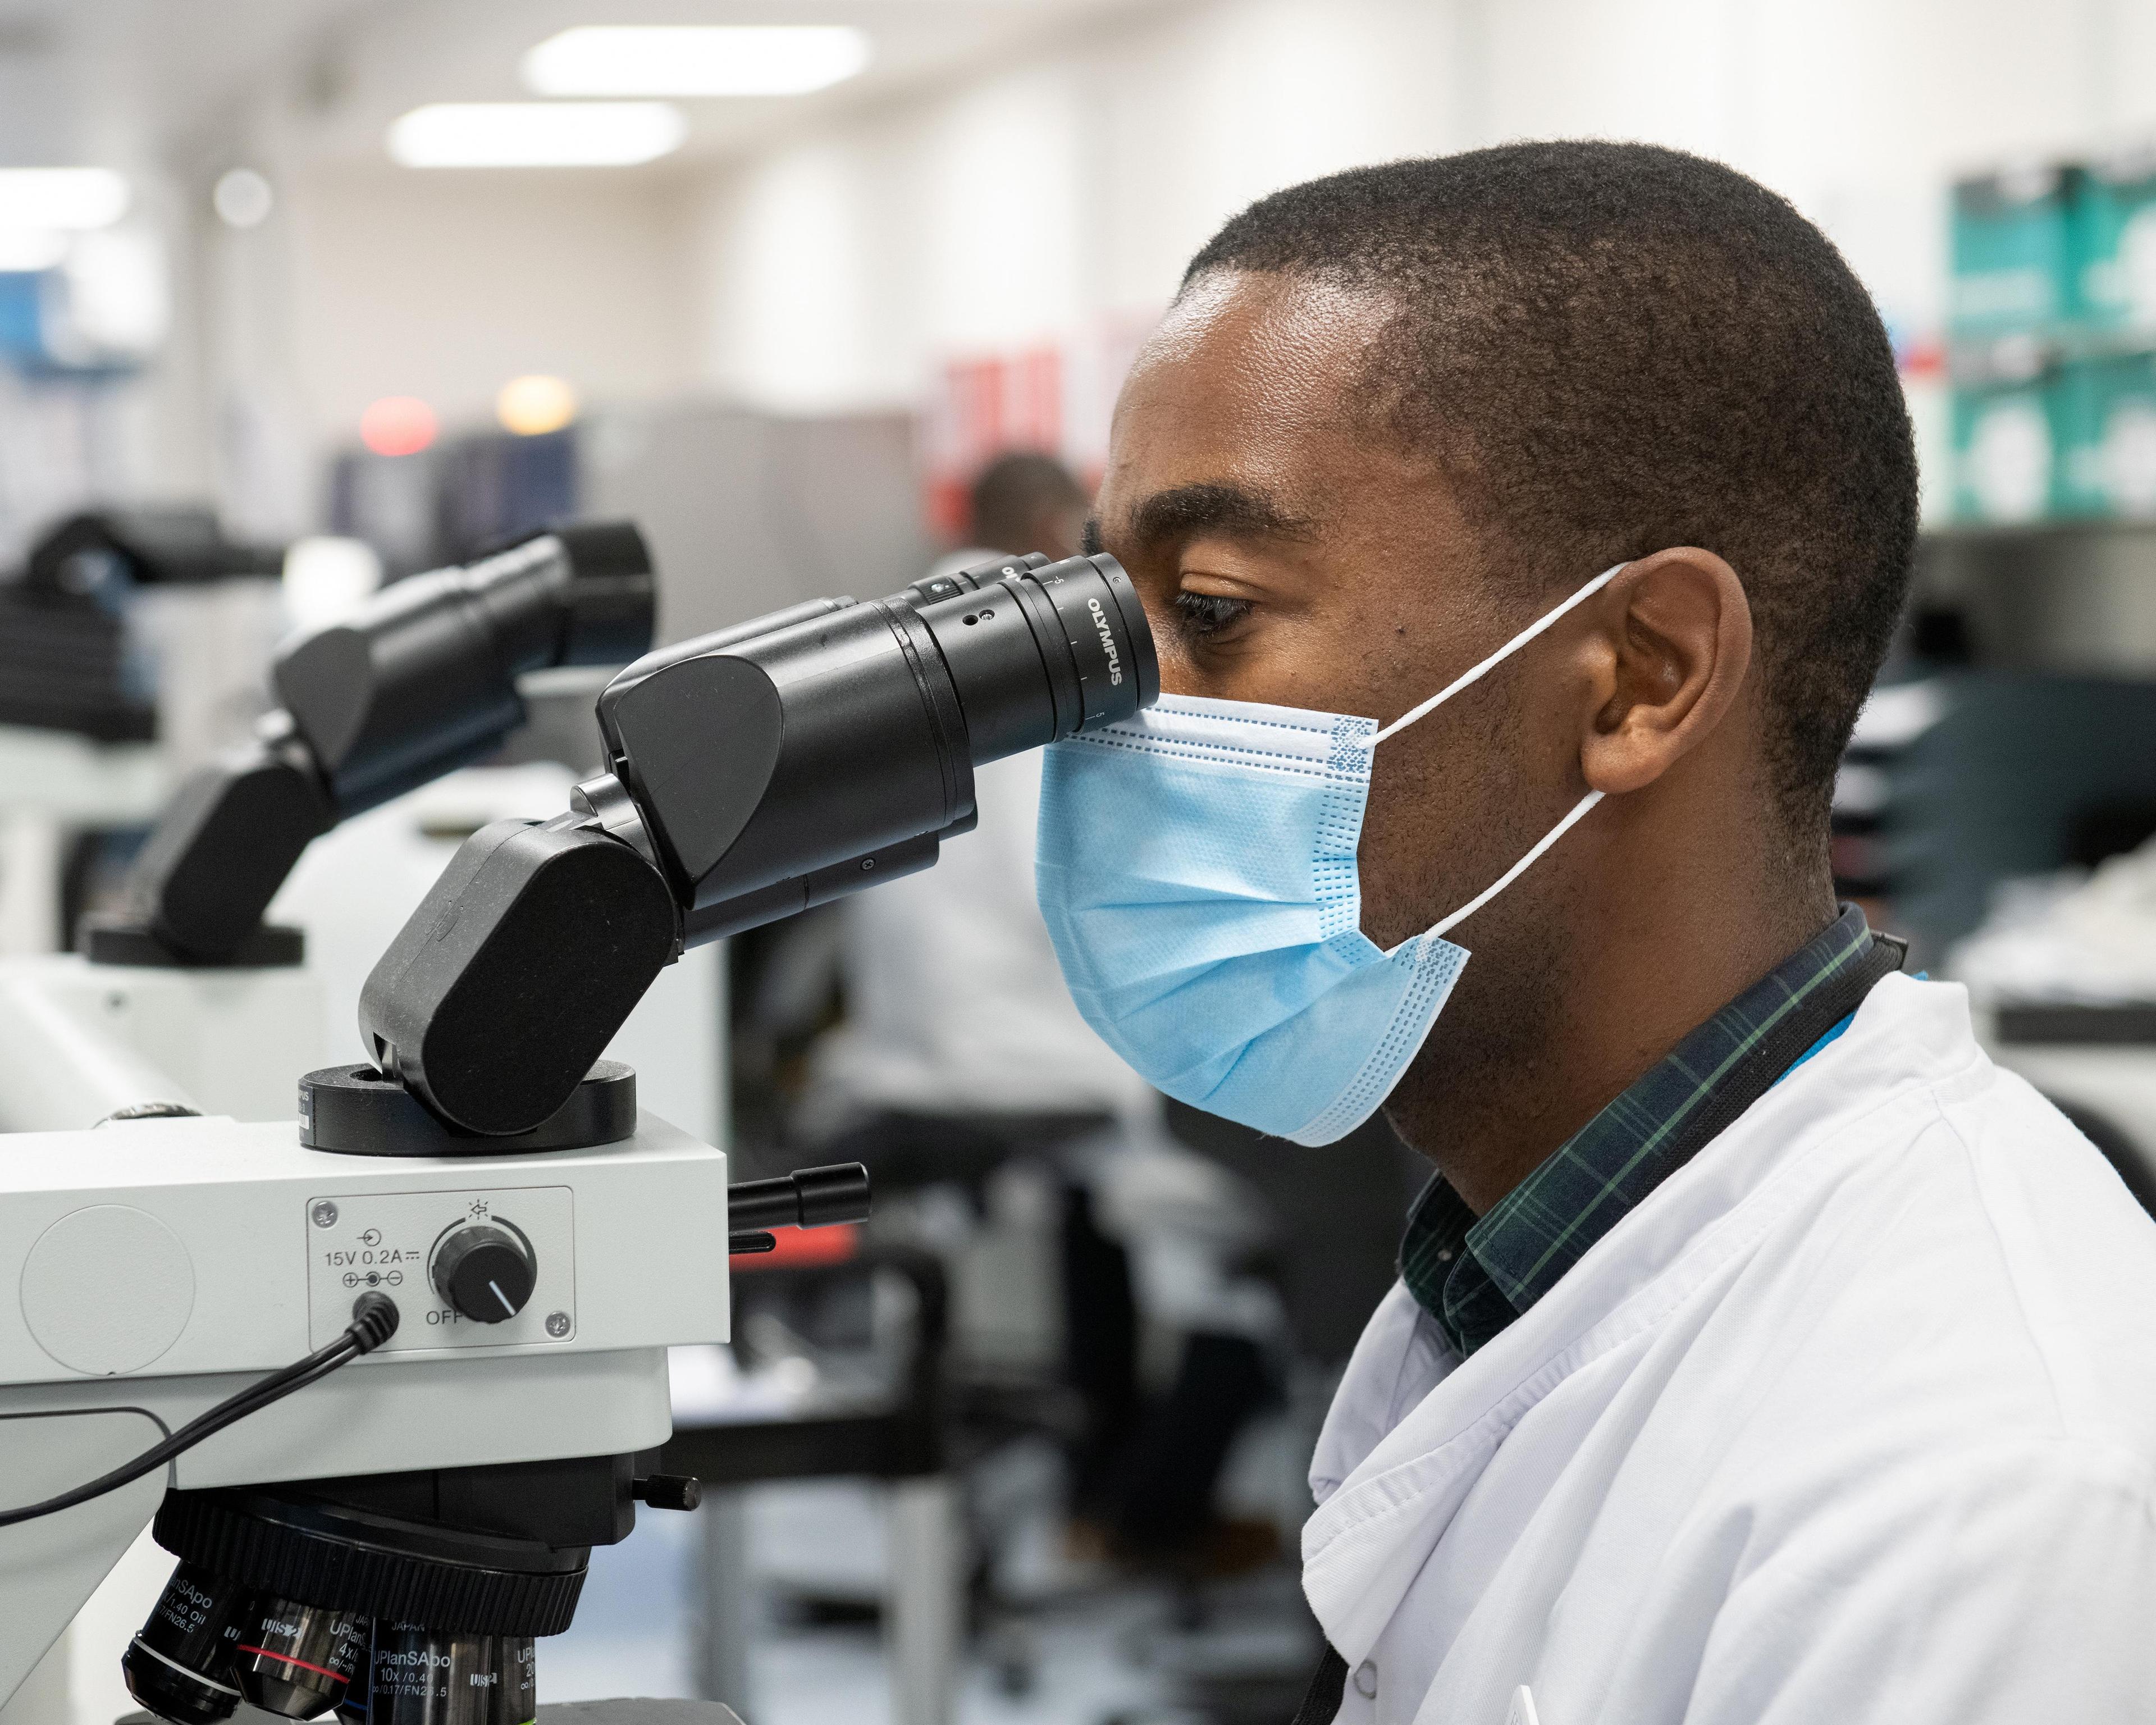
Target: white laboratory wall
{"points": [[371, 280], [446, 284], [1051, 194], [1036, 197], [837, 269]]}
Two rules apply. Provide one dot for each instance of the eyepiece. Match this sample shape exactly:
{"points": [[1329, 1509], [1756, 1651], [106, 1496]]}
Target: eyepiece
{"points": [[1104, 627], [790, 759], [1043, 651]]}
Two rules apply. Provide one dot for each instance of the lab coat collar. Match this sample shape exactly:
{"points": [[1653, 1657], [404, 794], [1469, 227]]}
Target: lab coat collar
{"points": [[1402, 1472]]}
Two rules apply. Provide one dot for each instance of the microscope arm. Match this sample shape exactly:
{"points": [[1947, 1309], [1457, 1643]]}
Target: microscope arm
{"points": [[420, 681], [753, 773]]}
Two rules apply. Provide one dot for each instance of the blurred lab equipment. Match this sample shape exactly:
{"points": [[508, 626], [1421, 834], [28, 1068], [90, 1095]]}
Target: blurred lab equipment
{"points": [[836, 1369], [420, 680], [745, 511], [78, 631], [749, 511], [2076, 945], [2000, 795], [2052, 340], [99, 307], [131, 648], [432, 502], [2062, 976], [1957, 781]]}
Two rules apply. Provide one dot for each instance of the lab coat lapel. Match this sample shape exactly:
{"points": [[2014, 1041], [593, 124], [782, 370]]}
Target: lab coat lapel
{"points": [[1366, 1544]]}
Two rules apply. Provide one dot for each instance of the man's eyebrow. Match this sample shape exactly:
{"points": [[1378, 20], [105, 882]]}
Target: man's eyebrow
{"points": [[1237, 511]]}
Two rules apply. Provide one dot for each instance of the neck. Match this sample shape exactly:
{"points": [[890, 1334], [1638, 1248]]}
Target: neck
{"points": [[1574, 995]]}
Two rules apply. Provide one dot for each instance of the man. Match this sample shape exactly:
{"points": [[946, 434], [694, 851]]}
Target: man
{"points": [[1731, 1377]]}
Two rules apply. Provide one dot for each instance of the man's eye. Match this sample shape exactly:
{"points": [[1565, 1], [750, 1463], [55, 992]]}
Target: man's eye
{"points": [[1205, 613]]}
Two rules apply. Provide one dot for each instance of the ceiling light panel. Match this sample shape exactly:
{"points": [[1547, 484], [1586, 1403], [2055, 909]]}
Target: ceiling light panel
{"points": [[26, 249], [72, 199], [696, 59], [536, 134]]}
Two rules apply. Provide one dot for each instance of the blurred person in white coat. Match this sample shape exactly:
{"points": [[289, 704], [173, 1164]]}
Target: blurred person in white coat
{"points": [[961, 1054], [1522, 531], [955, 1009]]}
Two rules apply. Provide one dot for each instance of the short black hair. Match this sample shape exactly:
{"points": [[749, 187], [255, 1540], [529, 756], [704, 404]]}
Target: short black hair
{"points": [[1612, 348], [1012, 493]]}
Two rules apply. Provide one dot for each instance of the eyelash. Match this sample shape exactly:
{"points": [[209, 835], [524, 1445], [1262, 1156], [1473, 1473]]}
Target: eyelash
{"points": [[1205, 615]]}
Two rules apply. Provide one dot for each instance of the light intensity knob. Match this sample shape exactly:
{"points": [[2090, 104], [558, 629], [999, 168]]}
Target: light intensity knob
{"points": [[485, 1271]]}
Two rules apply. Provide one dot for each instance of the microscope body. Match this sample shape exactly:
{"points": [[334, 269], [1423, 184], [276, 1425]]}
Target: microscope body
{"points": [[174, 1228], [486, 1171], [165, 1262]]}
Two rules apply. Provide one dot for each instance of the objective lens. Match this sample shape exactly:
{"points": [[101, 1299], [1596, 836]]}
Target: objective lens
{"points": [[517, 1662], [298, 1660], [352, 1709], [424, 1677], [180, 1666]]}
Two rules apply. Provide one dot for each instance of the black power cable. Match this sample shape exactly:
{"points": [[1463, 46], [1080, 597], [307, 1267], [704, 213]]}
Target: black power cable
{"points": [[374, 1322]]}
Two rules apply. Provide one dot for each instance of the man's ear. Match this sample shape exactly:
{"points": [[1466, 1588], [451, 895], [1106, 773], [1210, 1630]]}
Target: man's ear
{"points": [[1671, 652]]}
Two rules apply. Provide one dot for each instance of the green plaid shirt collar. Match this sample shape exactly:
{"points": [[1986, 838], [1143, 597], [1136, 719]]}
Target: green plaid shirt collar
{"points": [[1475, 1277]]}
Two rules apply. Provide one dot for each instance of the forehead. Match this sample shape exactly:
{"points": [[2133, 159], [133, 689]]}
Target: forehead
{"points": [[1257, 380]]}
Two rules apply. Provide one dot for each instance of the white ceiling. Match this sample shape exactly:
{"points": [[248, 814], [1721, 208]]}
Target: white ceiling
{"points": [[145, 83], [120, 81]]}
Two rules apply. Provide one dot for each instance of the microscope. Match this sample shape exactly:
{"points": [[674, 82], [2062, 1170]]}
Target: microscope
{"points": [[486, 1248], [420, 680]]}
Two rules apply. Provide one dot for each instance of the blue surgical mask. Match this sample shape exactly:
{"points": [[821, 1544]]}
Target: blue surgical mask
{"points": [[1197, 870]]}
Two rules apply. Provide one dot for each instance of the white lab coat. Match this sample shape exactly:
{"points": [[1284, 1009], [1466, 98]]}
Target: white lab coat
{"points": [[1854, 1418]]}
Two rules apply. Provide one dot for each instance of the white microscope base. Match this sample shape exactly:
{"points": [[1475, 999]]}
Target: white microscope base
{"points": [[79, 1040], [164, 1264]]}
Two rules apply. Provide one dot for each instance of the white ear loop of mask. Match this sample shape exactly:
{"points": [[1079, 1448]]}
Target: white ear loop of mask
{"points": [[1460, 682], [1503, 654]]}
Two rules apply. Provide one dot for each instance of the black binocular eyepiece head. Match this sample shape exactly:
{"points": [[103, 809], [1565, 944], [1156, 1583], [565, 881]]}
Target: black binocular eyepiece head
{"points": [[754, 772]]}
